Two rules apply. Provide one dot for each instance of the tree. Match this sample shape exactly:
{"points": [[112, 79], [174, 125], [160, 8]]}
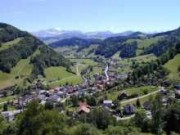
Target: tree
{"points": [[74, 100], [100, 118], [172, 118], [35, 120], [138, 103], [122, 130], [178, 68], [91, 101], [141, 120], [5, 107], [2, 124], [83, 129], [49, 106], [157, 115]]}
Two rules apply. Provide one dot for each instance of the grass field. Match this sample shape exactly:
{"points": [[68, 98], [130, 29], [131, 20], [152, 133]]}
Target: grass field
{"points": [[18, 73], [56, 73], [59, 76], [82, 64], [136, 90], [144, 58], [6, 45], [70, 80], [173, 66], [143, 43]]}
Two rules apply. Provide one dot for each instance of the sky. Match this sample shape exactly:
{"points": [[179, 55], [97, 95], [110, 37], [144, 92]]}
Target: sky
{"points": [[92, 15]]}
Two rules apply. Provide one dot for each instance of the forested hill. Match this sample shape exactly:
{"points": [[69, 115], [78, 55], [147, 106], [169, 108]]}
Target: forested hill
{"points": [[132, 45], [16, 45]]}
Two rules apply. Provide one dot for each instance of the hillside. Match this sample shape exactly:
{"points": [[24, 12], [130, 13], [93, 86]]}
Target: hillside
{"points": [[127, 46], [23, 56], [174, 68]]}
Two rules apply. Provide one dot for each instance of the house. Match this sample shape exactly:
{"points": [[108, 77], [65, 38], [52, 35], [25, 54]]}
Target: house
{"points": [[54, 98], [83, 108], [42, 97], [147, 105], [123, 96], [107, 103], [149, 114], [164, 101], [10, 115], [177, 91], [163, 91], [129, 109]]}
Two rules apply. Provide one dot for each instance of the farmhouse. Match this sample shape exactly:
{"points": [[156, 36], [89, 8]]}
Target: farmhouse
{"points": [[83, 108]]}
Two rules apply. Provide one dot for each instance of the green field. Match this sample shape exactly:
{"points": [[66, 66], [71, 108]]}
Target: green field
{"points": [[57, 76], [173, 66], [56, 73], [68, 80]]}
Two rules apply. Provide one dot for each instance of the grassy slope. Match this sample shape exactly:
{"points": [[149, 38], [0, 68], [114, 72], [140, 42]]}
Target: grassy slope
{"points": [[56, 72], [22, 69], [6, 45], [144, 58], [143, 43], [59, 76], [137, 90], [172, 66]]}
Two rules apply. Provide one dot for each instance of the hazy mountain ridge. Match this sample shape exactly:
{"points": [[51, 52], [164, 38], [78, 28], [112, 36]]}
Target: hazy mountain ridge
{"points": [[53, 35]]}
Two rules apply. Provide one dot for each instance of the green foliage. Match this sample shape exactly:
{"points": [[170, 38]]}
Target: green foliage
{"points": [[141, 121], [122, 130], [84, 129], [172, 118], [157, 115], [11, 56], [38, 121], [47, 58], [5, 107]]}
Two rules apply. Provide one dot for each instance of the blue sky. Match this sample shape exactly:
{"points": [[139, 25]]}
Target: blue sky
{"points": [[92, 15]]}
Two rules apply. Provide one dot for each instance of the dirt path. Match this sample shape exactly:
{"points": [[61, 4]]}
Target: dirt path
{"points": [[134, 99]]}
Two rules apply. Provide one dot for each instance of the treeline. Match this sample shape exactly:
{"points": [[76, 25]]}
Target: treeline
{"points": [[9, 33], [163, 45], [75, 42], [11, 56], [129, 50]]}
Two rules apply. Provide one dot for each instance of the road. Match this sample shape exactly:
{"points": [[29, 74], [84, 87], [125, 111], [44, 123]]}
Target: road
{"points": [[131, 100], [134, 99], [77, 70]]}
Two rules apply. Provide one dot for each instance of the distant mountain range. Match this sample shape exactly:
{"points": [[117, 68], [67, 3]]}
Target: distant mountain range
{"points": [[53, 35]]}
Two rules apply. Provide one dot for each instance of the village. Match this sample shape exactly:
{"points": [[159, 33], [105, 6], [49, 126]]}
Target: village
{"points": [[61, 96]]}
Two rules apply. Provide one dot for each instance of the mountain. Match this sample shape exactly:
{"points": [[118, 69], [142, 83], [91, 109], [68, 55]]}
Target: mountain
{"points": [[54, 35], [22, 54]]}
